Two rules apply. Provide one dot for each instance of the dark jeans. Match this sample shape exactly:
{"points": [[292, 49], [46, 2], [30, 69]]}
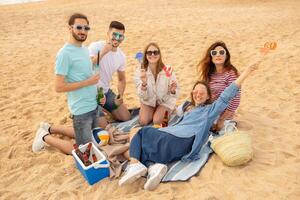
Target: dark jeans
{"points": [[151, 145], [83, 125]]}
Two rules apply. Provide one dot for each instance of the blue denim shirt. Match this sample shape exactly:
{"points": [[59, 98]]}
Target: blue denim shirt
{"points": [[198, 121]]}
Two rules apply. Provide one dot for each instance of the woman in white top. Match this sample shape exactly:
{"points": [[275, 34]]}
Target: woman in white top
{"points": [[157, 86]]}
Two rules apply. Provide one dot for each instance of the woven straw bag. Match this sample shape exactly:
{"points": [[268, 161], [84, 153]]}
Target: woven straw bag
{"points": [[234, 149]]}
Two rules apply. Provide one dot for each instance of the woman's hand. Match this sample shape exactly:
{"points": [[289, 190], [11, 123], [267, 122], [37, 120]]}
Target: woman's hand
{"points": [[143, 76], [253, 67], [173, 87], [246, 73]]}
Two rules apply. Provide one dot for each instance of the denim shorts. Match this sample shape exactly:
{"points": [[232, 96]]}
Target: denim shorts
{"points": [[83, 125], [110, 102]]}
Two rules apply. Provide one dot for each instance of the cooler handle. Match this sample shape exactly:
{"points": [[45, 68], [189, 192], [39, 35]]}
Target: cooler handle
{"points": [[98, 165]]}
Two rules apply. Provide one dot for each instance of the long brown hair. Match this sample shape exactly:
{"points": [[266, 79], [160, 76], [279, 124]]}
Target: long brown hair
{"points": [[160, 65], [208, 101], [206, 67]]}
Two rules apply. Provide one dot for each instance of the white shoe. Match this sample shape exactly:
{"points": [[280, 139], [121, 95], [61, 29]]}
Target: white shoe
{"points": [[132, 173], [38, 143], [155, 174], [45, 126]]}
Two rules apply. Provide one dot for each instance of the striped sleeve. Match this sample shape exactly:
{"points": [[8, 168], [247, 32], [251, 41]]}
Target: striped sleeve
{"points": [[235, 102]]}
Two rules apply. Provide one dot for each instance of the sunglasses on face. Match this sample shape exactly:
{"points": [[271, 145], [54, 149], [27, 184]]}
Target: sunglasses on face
{"points": [[196, 92], [221, 52], [118, 36], [155, 52], [80, 27]]}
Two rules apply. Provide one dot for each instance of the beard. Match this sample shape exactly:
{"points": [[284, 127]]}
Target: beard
{"points": [[79, 38]]}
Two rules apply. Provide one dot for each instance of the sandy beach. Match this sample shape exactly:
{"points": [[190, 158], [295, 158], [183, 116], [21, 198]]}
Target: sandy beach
{"points": [[32, 33]]}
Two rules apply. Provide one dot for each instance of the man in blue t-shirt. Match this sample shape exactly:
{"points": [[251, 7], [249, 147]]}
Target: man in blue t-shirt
{"points": [[74, 75]]}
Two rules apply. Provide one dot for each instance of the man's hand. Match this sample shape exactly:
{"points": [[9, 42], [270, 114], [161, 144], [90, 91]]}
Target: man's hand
{"points": [[93, 80], [119, 100], [107, 48], [103, 101]]}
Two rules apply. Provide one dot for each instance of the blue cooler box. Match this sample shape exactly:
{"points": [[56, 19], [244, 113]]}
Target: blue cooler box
{"points": [[97, 170]]}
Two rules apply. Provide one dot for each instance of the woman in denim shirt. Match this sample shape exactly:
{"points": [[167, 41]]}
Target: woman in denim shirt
{"points": [[183, 140]]}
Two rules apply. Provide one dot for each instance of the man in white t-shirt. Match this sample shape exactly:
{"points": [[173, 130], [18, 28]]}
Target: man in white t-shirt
{"points": [[109, 58]]}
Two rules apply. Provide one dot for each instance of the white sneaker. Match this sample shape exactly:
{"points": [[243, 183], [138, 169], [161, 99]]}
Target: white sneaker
{"points": [[132, 173], [45, 126], [155, 173], [38, 143]]}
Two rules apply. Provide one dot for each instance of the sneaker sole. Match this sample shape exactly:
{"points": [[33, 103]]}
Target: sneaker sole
{"points": [[154, 181], [133, 178], [34, 142]]}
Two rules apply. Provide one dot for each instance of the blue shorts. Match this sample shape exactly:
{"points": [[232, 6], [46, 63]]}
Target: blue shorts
{"points": [[83, 126], [110, 102]]}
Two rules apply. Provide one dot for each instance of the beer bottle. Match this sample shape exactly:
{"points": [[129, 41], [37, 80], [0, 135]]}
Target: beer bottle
{"points": [[94, 158], [165, 121], [78, 152], [86, 160], [100, 95], [88, 150]]}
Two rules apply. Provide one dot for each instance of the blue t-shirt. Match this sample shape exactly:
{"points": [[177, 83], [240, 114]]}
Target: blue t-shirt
{"points": [[75, 64]]}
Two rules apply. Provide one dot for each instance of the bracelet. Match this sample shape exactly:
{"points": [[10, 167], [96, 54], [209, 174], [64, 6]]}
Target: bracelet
{"points": [[144, 84]]}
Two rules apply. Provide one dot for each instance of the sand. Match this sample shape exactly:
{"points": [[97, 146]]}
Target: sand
{"points": [[32, 33]]}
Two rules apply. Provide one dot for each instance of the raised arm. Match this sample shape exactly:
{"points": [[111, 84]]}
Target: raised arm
{"points": [[239, 81], [230, 92]]}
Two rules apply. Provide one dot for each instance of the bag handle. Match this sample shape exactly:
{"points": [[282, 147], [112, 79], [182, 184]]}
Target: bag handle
{"points": [[228, 125]]}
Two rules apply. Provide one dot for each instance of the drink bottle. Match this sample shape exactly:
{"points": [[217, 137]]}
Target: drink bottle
{"points": [[165, 121], [78, 152], [100, 95]]}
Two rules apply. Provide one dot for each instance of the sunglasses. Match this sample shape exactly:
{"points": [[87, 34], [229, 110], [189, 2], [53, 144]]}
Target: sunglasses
{"points": [[118, 36], [149, 53], [220, 52], [80, 27]]}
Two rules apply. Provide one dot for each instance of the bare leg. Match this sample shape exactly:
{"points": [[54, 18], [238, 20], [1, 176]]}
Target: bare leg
{"points": [[126, 155], [121, 113], [146, 114], [69, 131], [159, 114], [103, 122], [62, 130], [63, 145]]}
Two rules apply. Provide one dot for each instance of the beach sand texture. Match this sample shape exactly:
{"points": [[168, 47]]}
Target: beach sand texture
{"points": [[31, 35]]}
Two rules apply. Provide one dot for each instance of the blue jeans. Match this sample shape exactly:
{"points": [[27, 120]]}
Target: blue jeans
{"points": [[83, 125]]}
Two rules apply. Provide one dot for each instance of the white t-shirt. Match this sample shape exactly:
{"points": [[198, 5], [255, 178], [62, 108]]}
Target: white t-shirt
{"points": [[109, 64]]}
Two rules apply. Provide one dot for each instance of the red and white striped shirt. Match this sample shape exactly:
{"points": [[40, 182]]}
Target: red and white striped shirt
{"points": [[218, 83]]}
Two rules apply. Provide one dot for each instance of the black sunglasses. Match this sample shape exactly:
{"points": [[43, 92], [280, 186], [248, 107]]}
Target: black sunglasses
{"points": [[80, 27], [149, 53]]}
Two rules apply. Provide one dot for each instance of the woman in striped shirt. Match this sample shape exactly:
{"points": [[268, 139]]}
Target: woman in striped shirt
{"points": [[216, 70]]}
